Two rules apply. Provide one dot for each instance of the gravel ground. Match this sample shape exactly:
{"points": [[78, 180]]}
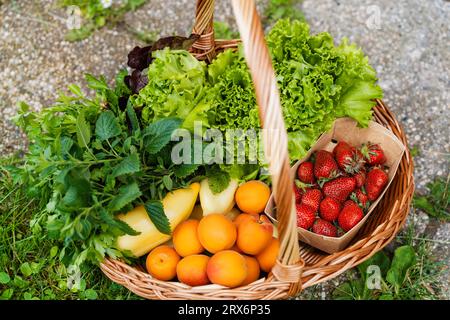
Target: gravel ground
{"points": [[407, 42]]}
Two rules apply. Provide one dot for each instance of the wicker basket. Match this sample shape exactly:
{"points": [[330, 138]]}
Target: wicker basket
{"points": [[299, 265]]}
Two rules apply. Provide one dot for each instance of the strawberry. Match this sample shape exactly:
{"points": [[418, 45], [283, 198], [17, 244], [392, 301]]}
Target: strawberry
{"points": [[350, 215], [312, 198], [349, 159], [373, 154], [375, 182], [360, 197], [325, 165], [305, 216], [324, 228], [329, 209], [339, 188], [360, 178], [340, 146], [305, 172]]}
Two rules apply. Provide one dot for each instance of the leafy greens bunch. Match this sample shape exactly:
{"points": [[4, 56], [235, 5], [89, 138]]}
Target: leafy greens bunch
{"points": [[90, 159]]}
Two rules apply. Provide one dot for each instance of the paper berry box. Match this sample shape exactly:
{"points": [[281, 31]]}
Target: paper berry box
{"points": [[347, 129]]}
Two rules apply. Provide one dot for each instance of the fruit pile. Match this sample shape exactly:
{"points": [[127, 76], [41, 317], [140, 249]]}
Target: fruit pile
{"points": [[334, 189], [226, 249]]}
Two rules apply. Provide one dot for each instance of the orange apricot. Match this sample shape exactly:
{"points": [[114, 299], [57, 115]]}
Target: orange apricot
{"points": [[268, 256], [227, 268], [216, 232], [252, 270], [162, 262], [191, 270], [254, 236], [185, 238], [245, 217], [252, 196]]}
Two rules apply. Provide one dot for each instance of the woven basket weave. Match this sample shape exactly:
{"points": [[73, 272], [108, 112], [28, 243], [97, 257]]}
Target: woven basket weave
{"points": [[299, 265]]}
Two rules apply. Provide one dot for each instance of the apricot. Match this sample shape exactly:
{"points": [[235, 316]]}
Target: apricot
{"points": [[254, 236], [245, 217], [191, 270], [252, 196], [252, 270], [227, 268], [185, 238], [162, 262], [268, 256], [216, 232]]}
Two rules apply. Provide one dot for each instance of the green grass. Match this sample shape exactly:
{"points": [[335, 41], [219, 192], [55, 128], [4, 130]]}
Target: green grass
{"points": [[29, 263], [436, 202], [96, 16], [422, 280]]}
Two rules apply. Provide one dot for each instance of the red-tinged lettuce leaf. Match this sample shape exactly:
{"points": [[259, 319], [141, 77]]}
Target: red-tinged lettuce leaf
{"points": [[136, 81], [140, 58]]}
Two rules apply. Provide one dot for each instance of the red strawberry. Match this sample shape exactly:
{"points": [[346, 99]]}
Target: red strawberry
{"points": [[325, 165], [360, 178], [373, 154], [305, 172], [341, 145], [339, 188], [360, 197], [349, 159], [329, 209], [324, 228], [298, 194], [312, 198], [375, 183], [350, 215], [305, 216]]}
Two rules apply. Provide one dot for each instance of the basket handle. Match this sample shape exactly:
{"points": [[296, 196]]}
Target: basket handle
{"points": [[204, 47], [289, 265]]}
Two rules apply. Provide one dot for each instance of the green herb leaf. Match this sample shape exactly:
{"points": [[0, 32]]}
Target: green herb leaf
{"points": [[116, 223], [133, 117], [184, 170], [78, 193], [218, 179], [75, 90], [156, 213], [107, 126], [158, 134], [128, 165], [83, 131], [168, 183], [127, 194], [95, 83]]}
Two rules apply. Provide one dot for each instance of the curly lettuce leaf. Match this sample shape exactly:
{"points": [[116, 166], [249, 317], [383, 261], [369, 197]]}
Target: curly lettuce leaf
{"points": [[176, 87], [358, 84], [234, 102]]}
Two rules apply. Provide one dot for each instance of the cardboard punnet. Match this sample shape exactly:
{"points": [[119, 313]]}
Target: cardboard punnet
{"points": [[347, 129]]}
